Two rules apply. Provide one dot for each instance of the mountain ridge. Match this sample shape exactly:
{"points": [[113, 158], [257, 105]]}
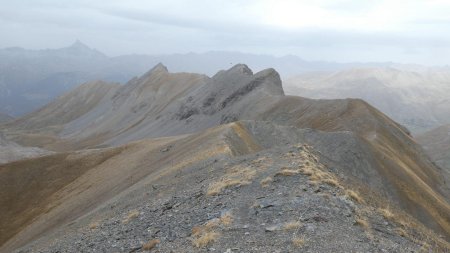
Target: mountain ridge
{"points": [[405, 173], [32, 78]]}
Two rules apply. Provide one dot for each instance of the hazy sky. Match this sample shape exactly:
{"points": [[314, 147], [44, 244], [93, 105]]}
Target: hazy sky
{"points": [[338, 30]]}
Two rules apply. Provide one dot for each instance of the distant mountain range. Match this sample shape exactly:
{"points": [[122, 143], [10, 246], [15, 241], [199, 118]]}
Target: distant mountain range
{"points": [[32, 78], [418, 98]]}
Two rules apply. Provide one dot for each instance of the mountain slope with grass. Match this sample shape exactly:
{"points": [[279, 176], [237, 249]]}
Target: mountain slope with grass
{"points": [[230, 155]]}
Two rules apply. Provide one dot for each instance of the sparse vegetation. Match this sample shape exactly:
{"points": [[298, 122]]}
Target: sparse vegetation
{"points": [[362, 223], [226, 219], [332, 182], [203, 239], [287, 172], [150, 244], [204, 235], [266, 181], [354, 196], [207, 234], [237, 177], [292, 225], [130, 216], [307, 170], [94, 225], [387, 213], [401, 232], [299, 241]]}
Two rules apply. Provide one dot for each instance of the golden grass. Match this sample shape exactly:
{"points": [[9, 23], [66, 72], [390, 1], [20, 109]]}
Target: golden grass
{"points": [[205, 239], [292, 225], [332, 182], [266, 181], [204, 235], [299, 241], [354, 196], [150, 244], [94, 225], [207, 234], [309, 171], [387, 213], [133, 214], [401, 232], [287, 172], [226, 219], [237, 177], [362, 223]]}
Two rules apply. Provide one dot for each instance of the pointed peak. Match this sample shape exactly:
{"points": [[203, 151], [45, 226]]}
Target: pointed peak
{"points": [[238, 69], [79, 44], [241, 68], [159, 68]]}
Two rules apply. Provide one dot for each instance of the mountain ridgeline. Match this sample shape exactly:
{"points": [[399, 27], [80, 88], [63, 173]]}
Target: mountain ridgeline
{"points": [[416, 98], [173, 137], [30, 79]]}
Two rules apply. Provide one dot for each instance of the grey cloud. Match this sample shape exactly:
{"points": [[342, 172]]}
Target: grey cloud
{"points": [[118, 27]]}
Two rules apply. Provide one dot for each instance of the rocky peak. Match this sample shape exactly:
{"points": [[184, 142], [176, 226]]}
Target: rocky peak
{"points": [[157, 69], [241, 69]]}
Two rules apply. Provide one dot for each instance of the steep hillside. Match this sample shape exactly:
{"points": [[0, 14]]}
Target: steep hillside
{"points": [[437, 144], [369, 151], [188, 193], [416, 99]]}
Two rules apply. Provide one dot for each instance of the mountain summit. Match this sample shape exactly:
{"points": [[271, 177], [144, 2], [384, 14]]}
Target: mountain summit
{"points": [[79, 49]]}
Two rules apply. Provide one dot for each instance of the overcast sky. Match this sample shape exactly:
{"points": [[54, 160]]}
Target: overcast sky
{"points": [[339, 30]]}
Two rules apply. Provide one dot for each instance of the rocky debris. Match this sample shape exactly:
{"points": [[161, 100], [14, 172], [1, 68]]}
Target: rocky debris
{"points": [[286, 215]]}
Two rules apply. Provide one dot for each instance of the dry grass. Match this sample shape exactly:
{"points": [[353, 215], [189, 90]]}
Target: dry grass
{"points": [[133, 214], [332, 182], [204, 235], [299, 241], [287, 172], [362, 223], [309, 171], [354, 195], [387, 213], [266, 181], [94, 225], [150, 244], [318, 176], [401, 232], [207, 234], [226, 219], [237, 177], [205, 239], [292, 225]]}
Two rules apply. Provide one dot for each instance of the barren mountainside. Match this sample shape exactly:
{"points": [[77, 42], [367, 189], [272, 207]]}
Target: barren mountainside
{"points": [[188, 162]]}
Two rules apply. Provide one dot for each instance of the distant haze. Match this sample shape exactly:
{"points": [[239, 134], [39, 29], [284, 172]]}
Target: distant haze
{"points": [[338, 30]]}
